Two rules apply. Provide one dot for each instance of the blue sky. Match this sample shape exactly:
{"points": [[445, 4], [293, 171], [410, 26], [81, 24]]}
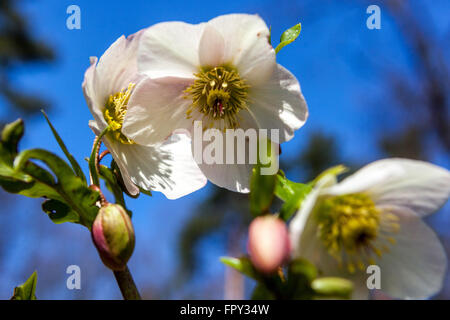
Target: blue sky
{"points": [[329, 59]]}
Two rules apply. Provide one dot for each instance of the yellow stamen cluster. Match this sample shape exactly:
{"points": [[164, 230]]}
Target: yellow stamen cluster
{"points": [[115, 111], [353, 230], [218, 93]]}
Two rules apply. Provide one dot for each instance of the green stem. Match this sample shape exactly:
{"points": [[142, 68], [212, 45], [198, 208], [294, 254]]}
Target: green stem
{"points": [[93, 170], [126, 284]]}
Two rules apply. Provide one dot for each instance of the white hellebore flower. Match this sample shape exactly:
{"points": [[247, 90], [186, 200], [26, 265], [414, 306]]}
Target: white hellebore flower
{"points": [[223, 73], [374, 217], [111, 88]]}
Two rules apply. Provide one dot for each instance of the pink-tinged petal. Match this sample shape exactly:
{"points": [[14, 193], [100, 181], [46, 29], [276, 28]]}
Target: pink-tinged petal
{"points": [[170, 49], [156, 109], [415, 266], [247, 46], [211, 49], [279, 104]]}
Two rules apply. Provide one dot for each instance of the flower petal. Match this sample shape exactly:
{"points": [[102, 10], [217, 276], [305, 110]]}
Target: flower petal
{"points": [[279, 104], [311, 248], [170, 49], [417, 185], [114, 71], [416, 265], [211, 157], [211, 49], [247, 46], [117, 67], [168, 168], [156, 109]]}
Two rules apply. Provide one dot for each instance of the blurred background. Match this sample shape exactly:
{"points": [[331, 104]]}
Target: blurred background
{"points": [[371, 94]]}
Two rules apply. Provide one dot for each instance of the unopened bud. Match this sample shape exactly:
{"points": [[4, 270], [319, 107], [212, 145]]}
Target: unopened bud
{"points": [[268, 243], [333, 287], [113, 235]]}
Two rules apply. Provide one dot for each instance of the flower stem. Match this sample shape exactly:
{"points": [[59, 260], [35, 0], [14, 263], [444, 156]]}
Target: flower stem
{"points": [[126, 284]]}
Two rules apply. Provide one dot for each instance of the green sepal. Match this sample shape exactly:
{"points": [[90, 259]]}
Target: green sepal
{"points": [[27, 290]]}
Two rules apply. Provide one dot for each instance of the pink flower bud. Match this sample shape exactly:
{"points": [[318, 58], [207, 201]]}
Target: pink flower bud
{"points": [[113, 236], [268, 243]]}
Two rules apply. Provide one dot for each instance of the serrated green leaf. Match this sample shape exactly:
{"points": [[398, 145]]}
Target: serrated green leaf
{"points": [[70, 189], [75, 166], [292, 193], [242, 265], [289, 36], [27, 290]]}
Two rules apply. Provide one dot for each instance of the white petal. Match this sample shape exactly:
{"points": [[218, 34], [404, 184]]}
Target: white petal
{"points": [[211, 49], [170, 49], [279, 104], [94, 99], [417, 185], [234, 177], [304, 214], [117, 67], [168, 168], [114, 71], [247, 46], [114, 149], [415, 266], [298, 223], [156, 109], [311, 248]]}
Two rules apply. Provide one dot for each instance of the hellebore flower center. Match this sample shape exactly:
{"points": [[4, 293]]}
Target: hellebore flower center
{"points": [[351, 226], [218, 93], [115, 111]]}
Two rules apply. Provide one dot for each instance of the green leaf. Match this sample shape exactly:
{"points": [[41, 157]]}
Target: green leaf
{"points": [[76, 167], [27, 290], [242, 265], [289, 36], [262, 192], [262, 186], [70, 188], [11, 135], [299, 277], [262, 293], [68, 197], [292, 193], [59, 212]]}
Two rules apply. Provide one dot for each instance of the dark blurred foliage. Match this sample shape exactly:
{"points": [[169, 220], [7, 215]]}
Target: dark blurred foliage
{"points": [[425, 99], [421, 130], [18, 47]]}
